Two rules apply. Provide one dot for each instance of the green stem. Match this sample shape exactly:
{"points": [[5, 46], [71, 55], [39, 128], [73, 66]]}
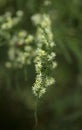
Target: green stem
{"points": [[36, 113]]}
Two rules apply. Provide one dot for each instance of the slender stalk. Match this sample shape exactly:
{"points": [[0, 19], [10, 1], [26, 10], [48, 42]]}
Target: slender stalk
{"points": [[36, 113]]}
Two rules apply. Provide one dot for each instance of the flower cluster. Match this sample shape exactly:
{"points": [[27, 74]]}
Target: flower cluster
{"points": [[45, 56], [20, 50]]}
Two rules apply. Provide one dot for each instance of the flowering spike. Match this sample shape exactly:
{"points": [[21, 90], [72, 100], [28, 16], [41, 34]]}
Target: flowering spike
{"points": [[44, 59]]}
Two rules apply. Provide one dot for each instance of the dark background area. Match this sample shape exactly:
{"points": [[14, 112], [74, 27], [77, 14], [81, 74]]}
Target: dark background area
{"points": [[61, 107]]}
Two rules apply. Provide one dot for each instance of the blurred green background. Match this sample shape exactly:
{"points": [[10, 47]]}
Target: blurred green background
{"points": [[61, 107]]}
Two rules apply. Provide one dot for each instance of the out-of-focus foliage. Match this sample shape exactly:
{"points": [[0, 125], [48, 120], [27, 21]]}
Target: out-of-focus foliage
{"points": [[61, 107]]}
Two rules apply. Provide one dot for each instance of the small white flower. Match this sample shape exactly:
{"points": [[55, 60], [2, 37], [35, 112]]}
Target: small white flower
{"points": [[36, 18], [29, 39], [19, 13], [8, 65]]}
